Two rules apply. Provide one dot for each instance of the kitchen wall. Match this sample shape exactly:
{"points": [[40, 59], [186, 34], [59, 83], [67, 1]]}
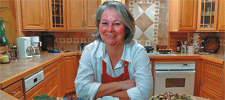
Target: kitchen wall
{"points": [[151, 18]]}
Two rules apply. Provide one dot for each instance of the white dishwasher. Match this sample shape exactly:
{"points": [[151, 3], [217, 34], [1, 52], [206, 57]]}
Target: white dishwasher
{"points": [[176, 77], [33, 79]]}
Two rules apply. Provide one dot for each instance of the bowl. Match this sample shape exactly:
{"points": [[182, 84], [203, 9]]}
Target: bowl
{"points": [[149, 48]]}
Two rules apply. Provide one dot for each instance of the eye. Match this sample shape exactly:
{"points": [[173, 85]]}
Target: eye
{"points": [[104, 23], [117, 23]]}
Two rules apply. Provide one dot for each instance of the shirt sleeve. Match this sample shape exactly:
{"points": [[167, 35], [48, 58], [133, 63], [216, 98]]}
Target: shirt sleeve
{"points": [[142, 76], [86, 87]]}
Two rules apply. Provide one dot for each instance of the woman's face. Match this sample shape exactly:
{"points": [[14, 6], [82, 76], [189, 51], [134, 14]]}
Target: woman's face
{"points": [[112, 29]]}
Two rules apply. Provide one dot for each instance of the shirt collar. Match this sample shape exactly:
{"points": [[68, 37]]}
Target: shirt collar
{"points": [[100, 53]]}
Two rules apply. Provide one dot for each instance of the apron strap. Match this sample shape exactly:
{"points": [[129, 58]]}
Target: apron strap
{"points": [[103, 67]]}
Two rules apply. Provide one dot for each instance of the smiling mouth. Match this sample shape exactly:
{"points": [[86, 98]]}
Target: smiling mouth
{"points": [[111, 36]]}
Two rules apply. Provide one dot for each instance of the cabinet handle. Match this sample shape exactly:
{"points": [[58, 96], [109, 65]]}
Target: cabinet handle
{"points": [[14, 92], [51, 84], [82, 24], [50, 69]]}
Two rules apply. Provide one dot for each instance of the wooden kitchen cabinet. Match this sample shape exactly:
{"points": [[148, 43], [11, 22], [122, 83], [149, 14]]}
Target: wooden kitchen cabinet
{"points": [[57, 13], [34, 14], [211, 80], [207, 15], [16, 89], [37, 90], [51, 85], [61, 78], [221, 16], [81, 14], [71, 67], [182, 15]]}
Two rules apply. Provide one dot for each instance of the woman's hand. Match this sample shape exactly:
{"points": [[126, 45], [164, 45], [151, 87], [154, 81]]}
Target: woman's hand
{"points": [[127, 84]]}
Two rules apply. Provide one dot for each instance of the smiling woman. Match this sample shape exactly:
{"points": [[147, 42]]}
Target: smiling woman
{"points": [[114, 64]]}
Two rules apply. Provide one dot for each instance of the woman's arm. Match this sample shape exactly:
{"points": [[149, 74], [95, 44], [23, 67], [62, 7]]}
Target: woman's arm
{"points": [[116, 89]]}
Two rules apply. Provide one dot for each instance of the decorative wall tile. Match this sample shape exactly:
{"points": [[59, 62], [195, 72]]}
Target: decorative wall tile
{"points": [[90, 40], [146, 15], [83, 40], [147, 43], [75, 40], [62, 40], [69, 40]]}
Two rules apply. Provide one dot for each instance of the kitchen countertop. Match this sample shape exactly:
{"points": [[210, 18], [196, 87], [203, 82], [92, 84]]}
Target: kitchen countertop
{"points": [[16, 70]]}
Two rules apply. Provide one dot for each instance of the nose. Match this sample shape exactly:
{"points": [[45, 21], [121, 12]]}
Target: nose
{"points": [[110, 28]]}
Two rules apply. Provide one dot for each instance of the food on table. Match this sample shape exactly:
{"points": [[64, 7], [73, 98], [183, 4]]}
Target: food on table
{"points": [[171, 96], [72, 98]]}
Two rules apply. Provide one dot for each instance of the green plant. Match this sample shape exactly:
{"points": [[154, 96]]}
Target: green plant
{"points": [[43, 97]]}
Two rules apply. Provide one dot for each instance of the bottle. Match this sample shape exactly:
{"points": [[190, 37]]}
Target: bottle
{"points": [[178, 46], [2, 33]]}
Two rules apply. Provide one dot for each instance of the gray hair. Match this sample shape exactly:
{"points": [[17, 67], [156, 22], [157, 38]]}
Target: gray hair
{"points": [[124, 15]]}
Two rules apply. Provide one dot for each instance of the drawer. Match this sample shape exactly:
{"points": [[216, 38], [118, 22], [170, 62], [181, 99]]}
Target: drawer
{"points": [[16, 89], [50, 69], [51, 84]]}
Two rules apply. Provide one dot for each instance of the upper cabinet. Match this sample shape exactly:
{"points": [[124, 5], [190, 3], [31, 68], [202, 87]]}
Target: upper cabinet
{"points": [[221, 16], [196, 15], [81, 14], [35, 14], [207, 15], [62, 15], [57, 15], [182, 15]]}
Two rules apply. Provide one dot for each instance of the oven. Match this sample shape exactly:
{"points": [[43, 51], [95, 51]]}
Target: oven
{"points": [[175, 77]]}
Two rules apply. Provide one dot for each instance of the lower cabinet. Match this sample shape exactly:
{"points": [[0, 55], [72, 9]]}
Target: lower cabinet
{"points": [[51, 85], [211, 80], [16, 89], [37, 90], [71, 66]]}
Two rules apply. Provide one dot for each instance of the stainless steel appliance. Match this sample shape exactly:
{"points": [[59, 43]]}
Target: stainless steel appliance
{"points": [[176, 77], [33, 79]]}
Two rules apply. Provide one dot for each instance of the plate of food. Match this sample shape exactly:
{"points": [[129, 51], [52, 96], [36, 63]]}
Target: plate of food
{"points": [[171, 96]]}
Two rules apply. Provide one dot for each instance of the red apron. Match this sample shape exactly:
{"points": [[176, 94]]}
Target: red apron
{"points": [[106, 78]]}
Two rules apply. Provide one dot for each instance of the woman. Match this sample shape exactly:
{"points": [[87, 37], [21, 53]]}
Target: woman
{"points": [[114, 64]]}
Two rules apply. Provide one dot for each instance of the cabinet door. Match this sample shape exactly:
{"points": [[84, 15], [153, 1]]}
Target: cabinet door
{"points": [[207, 15], [57, 14], [71, 64], [75, 14], [188, 15], [51, 85], [207, 93], [37, 90], [90, 7], [211, 79], [221, 16], [33, 14], [61, 78]]}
